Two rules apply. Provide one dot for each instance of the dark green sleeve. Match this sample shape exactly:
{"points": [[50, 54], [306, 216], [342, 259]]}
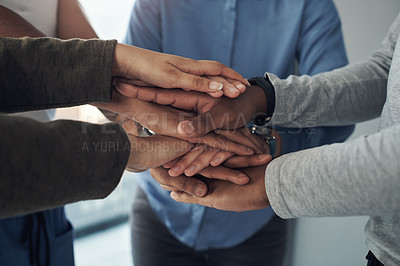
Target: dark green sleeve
{"points": [[44, 165], [43, 73]]}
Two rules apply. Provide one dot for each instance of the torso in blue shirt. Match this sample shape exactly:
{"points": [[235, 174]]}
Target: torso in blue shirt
{"points": [[252, 37]]}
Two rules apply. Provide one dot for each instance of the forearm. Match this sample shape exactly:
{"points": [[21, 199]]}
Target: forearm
{"points": [[13, 25], [87, 162], [67, 73], [78, 27], [345, 96], [355, 178]]}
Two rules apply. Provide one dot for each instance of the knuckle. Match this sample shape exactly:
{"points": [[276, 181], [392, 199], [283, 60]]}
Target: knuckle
{"points": [[197, 82]]}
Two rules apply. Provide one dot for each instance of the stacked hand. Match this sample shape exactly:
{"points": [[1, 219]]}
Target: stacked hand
{"points": [[202, 151]]}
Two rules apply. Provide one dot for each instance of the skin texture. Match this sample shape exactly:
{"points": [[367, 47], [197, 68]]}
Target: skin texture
{"points": [[169, 71], [212, 113], [164, 120], [219, 194]]}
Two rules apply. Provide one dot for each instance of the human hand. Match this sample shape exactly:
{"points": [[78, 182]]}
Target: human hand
{"points": [[144, 67], [153, 151], [202, 156], [219, 194], [213, 113], [164, 120]]}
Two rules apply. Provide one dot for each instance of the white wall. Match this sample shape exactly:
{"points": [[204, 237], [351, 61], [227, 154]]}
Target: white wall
{"points": [[340, 241]]}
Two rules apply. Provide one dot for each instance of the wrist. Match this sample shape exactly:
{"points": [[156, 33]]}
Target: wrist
{"points": [[260, 100], [117, 66], [269, 93]]}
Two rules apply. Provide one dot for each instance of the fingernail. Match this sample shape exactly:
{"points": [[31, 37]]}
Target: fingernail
{"points": [[250, 151], [242, 175], [215, 160], [262, 156], [174, 194], [190, 169], [215, 86], [233, 90], [175, 169], [199, 190], [188, 127], [240, 86]]}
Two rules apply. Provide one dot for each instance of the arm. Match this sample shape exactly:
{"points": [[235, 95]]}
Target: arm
{"points": [[345, 96], [50, 164], [64, 76], [360, 177], [72, 22], [13, 25]]}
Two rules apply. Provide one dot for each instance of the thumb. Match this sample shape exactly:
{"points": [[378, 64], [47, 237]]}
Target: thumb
{"points": [[195, 127], [217, 117], [154, 151]]}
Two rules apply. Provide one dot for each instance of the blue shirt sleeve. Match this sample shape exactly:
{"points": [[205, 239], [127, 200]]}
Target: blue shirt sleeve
{"points": [[144, 28], [321, 46]]}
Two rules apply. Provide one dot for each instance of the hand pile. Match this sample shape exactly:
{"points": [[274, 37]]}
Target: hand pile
{"points": [[202, 150]]}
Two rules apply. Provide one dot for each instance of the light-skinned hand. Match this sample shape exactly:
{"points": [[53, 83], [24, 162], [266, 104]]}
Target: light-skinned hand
{"points": [[144, 67]]}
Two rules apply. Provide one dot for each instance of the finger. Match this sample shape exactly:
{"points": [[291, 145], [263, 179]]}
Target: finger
{"points": [[228, 89], [237, 84], [171, 163], [197, 83], [248, 161], [217, 69], [136, 82], [167, 188], [190, 101], [224, 173], [130, 126], [240, 136], [183, 197], [216, 94], [131, 90], [190, 185], [186, 160], [212, 68], [224, 114], [221, 157], [201, 162], [220, 142], [154, 151]]}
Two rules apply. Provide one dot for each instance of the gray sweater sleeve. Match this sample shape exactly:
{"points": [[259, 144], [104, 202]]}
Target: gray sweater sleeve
{"points": [[44, 73], [44, 165], [344, 96], [360, 177]]}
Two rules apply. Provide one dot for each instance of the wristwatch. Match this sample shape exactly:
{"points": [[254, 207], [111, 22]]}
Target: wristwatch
{"points": [[260, 128], [269, 92]]}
